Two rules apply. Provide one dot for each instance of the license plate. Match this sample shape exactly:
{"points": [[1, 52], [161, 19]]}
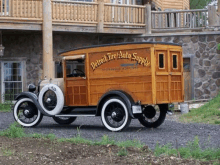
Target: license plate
{"points": [[136, 109]]}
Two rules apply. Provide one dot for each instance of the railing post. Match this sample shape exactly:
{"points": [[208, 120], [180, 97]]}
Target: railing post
{"points": [[48, 63], [147, 19], [213, 17], [100, 16]]}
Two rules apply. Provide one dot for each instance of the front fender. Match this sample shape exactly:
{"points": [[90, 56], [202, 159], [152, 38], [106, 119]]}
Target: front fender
{"points": [[34, 98]]}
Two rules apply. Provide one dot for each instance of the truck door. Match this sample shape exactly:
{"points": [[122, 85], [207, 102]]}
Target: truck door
{"points": [[176, 76], [169, 87], [162, 76], [75, 81]]}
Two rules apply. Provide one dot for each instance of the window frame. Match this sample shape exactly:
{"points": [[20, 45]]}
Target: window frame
{"points": [[2, 77], [163, 60], [177, 67]]}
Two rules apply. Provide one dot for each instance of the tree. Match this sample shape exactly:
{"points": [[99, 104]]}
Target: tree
{"points": [[199, 4]]}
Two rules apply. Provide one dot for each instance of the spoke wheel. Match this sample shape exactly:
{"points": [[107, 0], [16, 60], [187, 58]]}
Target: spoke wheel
{"points": [[49, 100], [64, 120], [26, 113], [153, 116], [115, 115]]}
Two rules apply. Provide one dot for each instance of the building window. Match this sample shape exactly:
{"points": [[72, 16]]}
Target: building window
{"points": [[161, 61], [11, 80]]}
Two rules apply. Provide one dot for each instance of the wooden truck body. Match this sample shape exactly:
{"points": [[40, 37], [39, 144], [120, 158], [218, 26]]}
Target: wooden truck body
{"points": [[118, 82], [150, 73]]}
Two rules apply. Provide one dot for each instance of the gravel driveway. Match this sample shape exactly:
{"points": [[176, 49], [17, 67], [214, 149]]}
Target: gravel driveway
{"points": [[92, 128]]}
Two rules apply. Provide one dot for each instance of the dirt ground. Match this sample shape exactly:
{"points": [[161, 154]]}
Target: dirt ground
{"points": [[44, 151]]}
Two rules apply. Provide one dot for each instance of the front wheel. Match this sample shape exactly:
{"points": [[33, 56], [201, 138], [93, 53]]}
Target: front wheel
{"points": [[153, 116], [115, 115], [64, 120], [26, 113]]}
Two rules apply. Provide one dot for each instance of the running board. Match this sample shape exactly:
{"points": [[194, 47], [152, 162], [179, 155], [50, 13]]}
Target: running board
{"points": [[74, 115]]}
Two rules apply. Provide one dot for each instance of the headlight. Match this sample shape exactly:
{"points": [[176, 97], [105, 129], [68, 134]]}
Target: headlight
{"points": [[31, 87]]}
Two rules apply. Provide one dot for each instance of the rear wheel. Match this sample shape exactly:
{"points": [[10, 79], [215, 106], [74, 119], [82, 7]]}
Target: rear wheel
{"points": [[64, 120], [115, 115], [26, 113], [153, 116]]}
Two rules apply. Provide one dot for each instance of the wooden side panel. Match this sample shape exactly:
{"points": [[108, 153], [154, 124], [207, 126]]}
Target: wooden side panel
{"points": [[127, 70], [140, 88], [76, 92], [162, 88], [176, 88]]}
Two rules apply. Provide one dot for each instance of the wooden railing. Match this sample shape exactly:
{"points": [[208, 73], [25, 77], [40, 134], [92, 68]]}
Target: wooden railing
{"points": [[21, 9], [74, 11], [129, 15], [181, 19], [105, 15]]}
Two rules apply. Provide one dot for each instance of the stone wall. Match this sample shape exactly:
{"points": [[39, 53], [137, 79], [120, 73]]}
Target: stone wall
{"points": [[202, 49], [205, 58]]}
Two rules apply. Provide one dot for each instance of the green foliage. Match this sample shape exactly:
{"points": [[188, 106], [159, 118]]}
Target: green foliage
{"points": [[76, 140], [5, 107], [14, 131], [192, 150], [198, 4], [208, 113], [219, 46], [6, 151], [122, 152]]}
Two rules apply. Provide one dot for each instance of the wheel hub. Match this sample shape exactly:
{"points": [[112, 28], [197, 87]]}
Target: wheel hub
{"points": [[28, 112], [117, 115], [150, 112]]}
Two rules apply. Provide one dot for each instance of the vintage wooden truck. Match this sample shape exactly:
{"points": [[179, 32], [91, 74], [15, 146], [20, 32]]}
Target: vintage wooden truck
{"points": [[118, 82]]}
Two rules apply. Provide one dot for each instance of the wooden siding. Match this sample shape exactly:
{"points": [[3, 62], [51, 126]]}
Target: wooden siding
{"points": [[158, 3], [172, 4], [186, 5]]}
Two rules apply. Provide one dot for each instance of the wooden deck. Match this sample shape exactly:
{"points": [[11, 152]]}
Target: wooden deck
{"points": [[98, 17], [73, 16]]}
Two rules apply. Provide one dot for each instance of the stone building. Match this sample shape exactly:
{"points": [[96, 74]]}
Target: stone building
{"points": [[25, 33]]}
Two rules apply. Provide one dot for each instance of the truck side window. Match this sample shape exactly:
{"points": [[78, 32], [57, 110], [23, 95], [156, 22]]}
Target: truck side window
{"points": [[75, 68], [161, 60], [175, 61]]}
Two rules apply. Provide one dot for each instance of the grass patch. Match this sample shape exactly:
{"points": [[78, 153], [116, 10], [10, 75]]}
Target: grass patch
{"points": [[122, 152], [14, 131], [208, 113], [5, 107], [105, 141], [7, 152], [192, 150]]}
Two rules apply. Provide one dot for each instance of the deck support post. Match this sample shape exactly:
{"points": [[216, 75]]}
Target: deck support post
{"points": [[147, 19], [48, 63], [100, 16], [213, 16]]}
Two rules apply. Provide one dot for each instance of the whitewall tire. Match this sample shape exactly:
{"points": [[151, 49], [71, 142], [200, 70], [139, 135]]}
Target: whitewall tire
{"points": [[57, 100], [26, 113], [115, 115]]}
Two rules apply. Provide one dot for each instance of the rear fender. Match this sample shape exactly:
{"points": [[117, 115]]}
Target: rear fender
{"points": [[126, 97]]}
